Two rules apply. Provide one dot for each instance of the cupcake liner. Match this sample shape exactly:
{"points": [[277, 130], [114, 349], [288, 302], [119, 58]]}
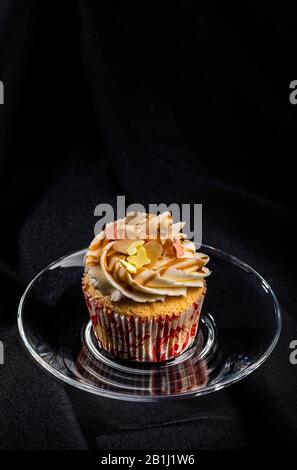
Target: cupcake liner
{"points": [[144, 339]]}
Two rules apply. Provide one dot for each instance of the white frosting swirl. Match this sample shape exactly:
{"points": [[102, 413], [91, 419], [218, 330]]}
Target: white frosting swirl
{"points": [[163, 261]]}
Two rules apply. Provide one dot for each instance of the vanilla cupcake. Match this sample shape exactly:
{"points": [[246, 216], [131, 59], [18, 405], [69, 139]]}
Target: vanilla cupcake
{"points": [[144, 285]]}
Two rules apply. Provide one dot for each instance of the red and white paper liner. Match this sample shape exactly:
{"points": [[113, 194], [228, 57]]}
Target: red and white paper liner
{"points": [[144, 339]]}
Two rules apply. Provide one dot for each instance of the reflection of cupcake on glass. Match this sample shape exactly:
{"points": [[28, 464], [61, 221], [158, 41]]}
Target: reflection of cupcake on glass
{"points": [[173, 380], [144, 286]]}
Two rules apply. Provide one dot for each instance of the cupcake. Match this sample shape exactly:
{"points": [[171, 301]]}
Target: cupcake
{"points": [[144, 286]]}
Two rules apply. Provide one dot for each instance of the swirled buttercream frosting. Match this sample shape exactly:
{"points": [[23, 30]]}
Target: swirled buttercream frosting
{"points": [[145, 257]]}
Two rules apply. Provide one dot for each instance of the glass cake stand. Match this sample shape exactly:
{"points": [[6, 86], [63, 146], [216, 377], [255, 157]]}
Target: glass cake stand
{"points": [[239, 328]]}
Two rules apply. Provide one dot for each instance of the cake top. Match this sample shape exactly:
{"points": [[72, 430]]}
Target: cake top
{"points": [[145, 257]]}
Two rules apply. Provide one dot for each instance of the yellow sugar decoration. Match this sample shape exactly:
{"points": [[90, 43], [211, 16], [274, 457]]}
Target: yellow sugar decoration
{"points": [[130, 268], [127, 247], [140, 259], [132, 250]]}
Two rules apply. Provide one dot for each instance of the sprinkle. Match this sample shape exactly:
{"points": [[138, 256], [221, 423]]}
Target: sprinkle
{"points": [[130, 268], [111, 231], [132, 250], [153, 251], [179, 251], [140, 259]]}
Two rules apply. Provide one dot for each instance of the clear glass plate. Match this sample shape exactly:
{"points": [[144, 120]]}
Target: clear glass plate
{"points": [[239, 328]]}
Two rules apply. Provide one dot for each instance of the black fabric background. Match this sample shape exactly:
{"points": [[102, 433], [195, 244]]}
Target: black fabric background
{"points": [[178, 102]]}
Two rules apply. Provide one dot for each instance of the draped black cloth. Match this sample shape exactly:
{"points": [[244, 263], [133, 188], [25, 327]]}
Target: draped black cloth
{"points": [[175, 102]]}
